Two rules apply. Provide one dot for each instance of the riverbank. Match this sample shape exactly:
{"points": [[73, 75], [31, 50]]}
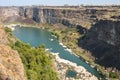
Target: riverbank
{"points": [[68, 37], [34, 59], [62, 66]]}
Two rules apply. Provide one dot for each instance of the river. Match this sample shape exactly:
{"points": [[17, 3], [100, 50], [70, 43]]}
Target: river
{"points": [[36, 37]]}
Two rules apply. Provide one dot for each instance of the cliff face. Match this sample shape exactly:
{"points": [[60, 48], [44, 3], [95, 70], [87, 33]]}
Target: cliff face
{"points": [[103, 41], [71, 17], [3, 36], [11, 67]]}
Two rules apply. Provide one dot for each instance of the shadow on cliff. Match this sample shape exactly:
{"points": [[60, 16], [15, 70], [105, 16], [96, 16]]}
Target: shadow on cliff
{"points": [[100, 41], [81, 29], [36, 15]]}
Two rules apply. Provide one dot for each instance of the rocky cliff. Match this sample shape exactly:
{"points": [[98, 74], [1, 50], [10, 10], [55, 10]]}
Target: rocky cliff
{"points": [[103, 41], [11, 67], [99, 24], [68, 16]]}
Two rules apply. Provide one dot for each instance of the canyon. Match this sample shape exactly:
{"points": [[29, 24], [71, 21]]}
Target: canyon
{"points": [[100, 26]]}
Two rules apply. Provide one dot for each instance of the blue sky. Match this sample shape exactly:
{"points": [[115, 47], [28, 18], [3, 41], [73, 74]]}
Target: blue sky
{"points": [[56, 2]]}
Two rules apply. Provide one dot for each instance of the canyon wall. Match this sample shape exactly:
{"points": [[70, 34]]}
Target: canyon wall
{"points": [[11, 67], [101, 26], [70, 16], [103, 41]]}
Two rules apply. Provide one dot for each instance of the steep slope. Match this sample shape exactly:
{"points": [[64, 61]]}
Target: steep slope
{"points": [[11, 67], [68, 16], [103, 41]]}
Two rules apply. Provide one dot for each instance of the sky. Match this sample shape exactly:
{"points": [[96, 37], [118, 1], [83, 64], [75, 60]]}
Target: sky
{"points": [[57, 2]]}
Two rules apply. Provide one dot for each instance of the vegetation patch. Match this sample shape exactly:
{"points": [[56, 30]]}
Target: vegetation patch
{"points": [[37, 62]]}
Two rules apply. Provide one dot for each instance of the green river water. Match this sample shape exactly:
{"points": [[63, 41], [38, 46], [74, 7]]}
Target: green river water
{"points": [[35, 37]]}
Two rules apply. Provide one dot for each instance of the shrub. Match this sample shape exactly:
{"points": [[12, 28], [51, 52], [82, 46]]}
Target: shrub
{"points": [[113, 75]]}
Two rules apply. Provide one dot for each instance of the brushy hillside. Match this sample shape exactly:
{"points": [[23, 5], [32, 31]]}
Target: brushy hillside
{"points": [[37, 62]]}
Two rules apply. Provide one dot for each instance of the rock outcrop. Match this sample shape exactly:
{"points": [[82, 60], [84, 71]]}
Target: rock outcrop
{"points": [[103, 41], [62, 66], [3, 36], [11, 67], [68, 16]]}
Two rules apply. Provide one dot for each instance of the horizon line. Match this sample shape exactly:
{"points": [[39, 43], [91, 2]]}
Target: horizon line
{"points": [[65, 5]]}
